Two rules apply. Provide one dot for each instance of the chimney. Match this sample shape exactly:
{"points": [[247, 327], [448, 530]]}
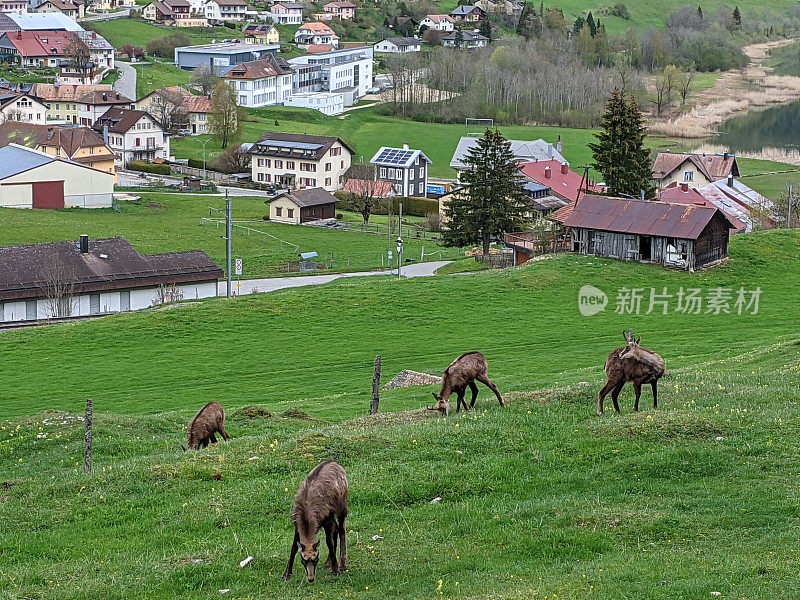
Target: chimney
{"points": [[559, 145], [547, 173], [105, 133], [684, 187], [564, 168], [725, 155], [730, 181], [105, 96], [84, 244], [405, 146], [550, 150]]}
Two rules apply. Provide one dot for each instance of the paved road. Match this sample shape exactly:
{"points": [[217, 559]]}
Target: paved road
{"points": [[280, 283], [106, 16], [126, 84]]}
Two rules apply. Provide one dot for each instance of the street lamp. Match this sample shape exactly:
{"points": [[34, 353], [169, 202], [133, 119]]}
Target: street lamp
{"points": [[204, 153], [399, 255]]}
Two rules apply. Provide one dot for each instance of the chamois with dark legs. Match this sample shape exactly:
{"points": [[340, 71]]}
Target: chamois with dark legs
{"points": [[632, 363], [321, 500], [462, 373], [203, 428]]}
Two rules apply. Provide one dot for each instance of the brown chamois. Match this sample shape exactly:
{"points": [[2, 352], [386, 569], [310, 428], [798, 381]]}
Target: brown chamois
{"points": [[320, 500], [209, 421], [461, 374], [631, 363]]}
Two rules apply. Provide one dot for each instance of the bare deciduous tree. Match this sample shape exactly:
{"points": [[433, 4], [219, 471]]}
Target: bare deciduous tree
{"points": [[364, 191], [204, 79], [80, 58], [167, 293], [168, 107], [233, 160], [58, 286]]}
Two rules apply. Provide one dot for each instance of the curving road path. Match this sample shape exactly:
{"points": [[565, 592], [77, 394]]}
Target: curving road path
{"points": [[273, 284], [126, 84]]}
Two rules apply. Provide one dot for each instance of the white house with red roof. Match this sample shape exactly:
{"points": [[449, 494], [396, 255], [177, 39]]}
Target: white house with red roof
{"points": [[438, 22], [315, 33], [263, 82], [132, 135]]}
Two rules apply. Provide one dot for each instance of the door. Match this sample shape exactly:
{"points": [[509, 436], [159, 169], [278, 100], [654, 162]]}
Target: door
{"points": [[644, 248], [94, 304], [30, 310], [48, 194], [124, 301]]}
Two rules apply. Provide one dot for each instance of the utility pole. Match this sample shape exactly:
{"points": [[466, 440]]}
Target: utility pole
{"points": [[228, 235], [789, 216], [400, 241]]}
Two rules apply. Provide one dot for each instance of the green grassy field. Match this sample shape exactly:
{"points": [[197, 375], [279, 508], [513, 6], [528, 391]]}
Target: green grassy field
{"points": [[170, 222], [155, 75], [119, 32], [541, 499]]}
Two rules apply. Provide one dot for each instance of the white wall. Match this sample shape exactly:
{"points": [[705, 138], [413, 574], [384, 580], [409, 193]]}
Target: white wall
{"points": [[82, 186]]}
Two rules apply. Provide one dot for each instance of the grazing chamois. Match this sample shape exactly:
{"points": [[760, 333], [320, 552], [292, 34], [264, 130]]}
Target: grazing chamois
{"points": [[320, 500], [631, 363], [461, 374], [203, 428]]}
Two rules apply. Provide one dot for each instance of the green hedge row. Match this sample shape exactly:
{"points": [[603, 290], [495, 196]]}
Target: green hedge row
{"points": [[413, 207], [146, 167]]}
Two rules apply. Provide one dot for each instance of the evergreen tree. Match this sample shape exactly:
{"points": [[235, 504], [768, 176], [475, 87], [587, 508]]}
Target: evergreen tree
{"points": [[541, 9], [590, 22], [523, 25], [737, 17], [492, 201], [459, 40], [700, 13], [579, 23], [486, 29], [619, 154]]}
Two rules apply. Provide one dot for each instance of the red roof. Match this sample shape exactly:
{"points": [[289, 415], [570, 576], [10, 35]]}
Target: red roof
{"points": [[676, 194], [41, 43], [380, 189], [551, 173], [319, 48]]}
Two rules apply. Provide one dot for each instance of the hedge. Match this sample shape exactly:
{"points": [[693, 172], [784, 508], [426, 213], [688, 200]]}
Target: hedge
{"points": [[413, 207], [196, 163], [145, 167]]}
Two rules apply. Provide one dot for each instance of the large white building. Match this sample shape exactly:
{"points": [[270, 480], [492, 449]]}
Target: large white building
{"points": [[98, 276], [33, 179], [225, 10], [294, 161], [132, 135], [347, 71], [328, 103], [263, 82]]}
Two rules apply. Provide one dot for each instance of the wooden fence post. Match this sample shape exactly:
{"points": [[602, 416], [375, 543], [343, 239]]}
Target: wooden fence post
{"points": [[376, 386], [87, 439]]}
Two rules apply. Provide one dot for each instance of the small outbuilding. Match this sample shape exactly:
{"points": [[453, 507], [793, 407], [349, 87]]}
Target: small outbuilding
{"points": [[301, 206], [674, 235]]}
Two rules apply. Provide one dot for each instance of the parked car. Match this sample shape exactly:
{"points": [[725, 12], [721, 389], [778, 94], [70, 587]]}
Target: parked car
{"points": [[184, 132]]}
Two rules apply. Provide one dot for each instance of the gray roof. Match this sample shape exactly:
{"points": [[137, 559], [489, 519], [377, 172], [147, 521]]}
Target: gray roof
{"points": [[310, 197], [526, 151], [397, 157], [467, 36], [227, 48], [15, 159], [44, 22], [403, 41], [290, 5], [463, 10]]}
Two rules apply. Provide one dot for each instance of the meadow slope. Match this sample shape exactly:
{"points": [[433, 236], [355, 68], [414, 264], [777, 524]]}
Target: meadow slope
{"points": [[542, 499]]}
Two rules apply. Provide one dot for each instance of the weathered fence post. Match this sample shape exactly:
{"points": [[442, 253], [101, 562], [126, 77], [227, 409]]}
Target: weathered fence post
{"points": [[376, 386], [87, 440]]}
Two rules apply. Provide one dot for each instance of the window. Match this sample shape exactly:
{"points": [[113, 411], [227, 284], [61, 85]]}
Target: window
{"points": [[125, 300], [94, 304], [327, 181], [278, 211], [688, 175], [268, 163], [290, 164], [290, 213], [383, 171], [278, 164], [420, 188], [30, 310], [327, 166]]}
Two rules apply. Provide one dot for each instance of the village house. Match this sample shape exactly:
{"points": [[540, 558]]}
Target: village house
{"points": [[674, 235], [81, 104], [177, 13], [13, 6], [347, 71], [79, 144], [56, 21], [226, 10], [294, 161], [255, 33], [342, 9], [398, 45], [36, 48], [72, 10], [101, 52], [133, 135], [468, 14], [219, 57], [693, 169], [524, 151], [315, 33], [286, 13], [404, 168], [22, 108], [95, 104], [558, 177], [438, 22], [33, 179], [328, 103], [500, 7], [469, 40], [302, 206], [263, 82], [98, 276], [405, 23], [195, 108]]}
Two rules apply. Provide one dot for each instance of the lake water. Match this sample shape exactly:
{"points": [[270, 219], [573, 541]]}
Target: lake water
{"points": [[776, 127]]}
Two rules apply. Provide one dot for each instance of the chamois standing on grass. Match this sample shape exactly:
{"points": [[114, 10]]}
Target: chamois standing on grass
{"points": [[631, 363], [462, 373], [203, 428], [320, 501]]}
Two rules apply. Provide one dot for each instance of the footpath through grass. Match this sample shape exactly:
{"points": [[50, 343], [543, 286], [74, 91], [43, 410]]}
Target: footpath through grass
{"points": [[164, 222], [541, 499]]}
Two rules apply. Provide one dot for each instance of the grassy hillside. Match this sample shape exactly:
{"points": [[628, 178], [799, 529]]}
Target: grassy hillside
{"points": [[170, 222], [155, 75], [542, 499], [119, 32]]}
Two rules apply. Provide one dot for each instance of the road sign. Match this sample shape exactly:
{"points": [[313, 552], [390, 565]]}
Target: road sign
{"points": [[238, 266]]}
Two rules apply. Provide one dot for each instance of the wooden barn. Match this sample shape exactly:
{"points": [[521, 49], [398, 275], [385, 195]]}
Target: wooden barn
{"points": [[674, 235]]}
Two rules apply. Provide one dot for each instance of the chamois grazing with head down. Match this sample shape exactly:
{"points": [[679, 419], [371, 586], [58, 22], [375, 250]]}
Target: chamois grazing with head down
{"points": [[203, 428], [631, 363], [461, 374], [320, 501]]}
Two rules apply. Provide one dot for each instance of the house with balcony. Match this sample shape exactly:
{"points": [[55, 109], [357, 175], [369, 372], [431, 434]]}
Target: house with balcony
{"points": [[295, 161], [195, 108], [22, 108], [347, 71], [341, 9], [72, 10], [469, 40], [263, 82], [468, 14], [226, 10], [398, 45], [315, 33], [438, 22], [260, 33], [286, 13], [133, 135]]}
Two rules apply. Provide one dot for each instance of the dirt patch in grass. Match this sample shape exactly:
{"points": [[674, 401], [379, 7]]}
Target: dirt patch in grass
{"points": [[253, 412], [653, 425], [296, 413]]}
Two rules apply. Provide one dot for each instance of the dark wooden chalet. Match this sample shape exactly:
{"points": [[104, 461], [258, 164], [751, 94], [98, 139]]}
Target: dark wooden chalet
{"points": [[674, 235]]}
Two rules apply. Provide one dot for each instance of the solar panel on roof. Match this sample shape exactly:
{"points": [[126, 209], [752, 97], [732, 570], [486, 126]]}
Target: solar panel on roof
{"points": [[297, 145], [394, 156]]}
